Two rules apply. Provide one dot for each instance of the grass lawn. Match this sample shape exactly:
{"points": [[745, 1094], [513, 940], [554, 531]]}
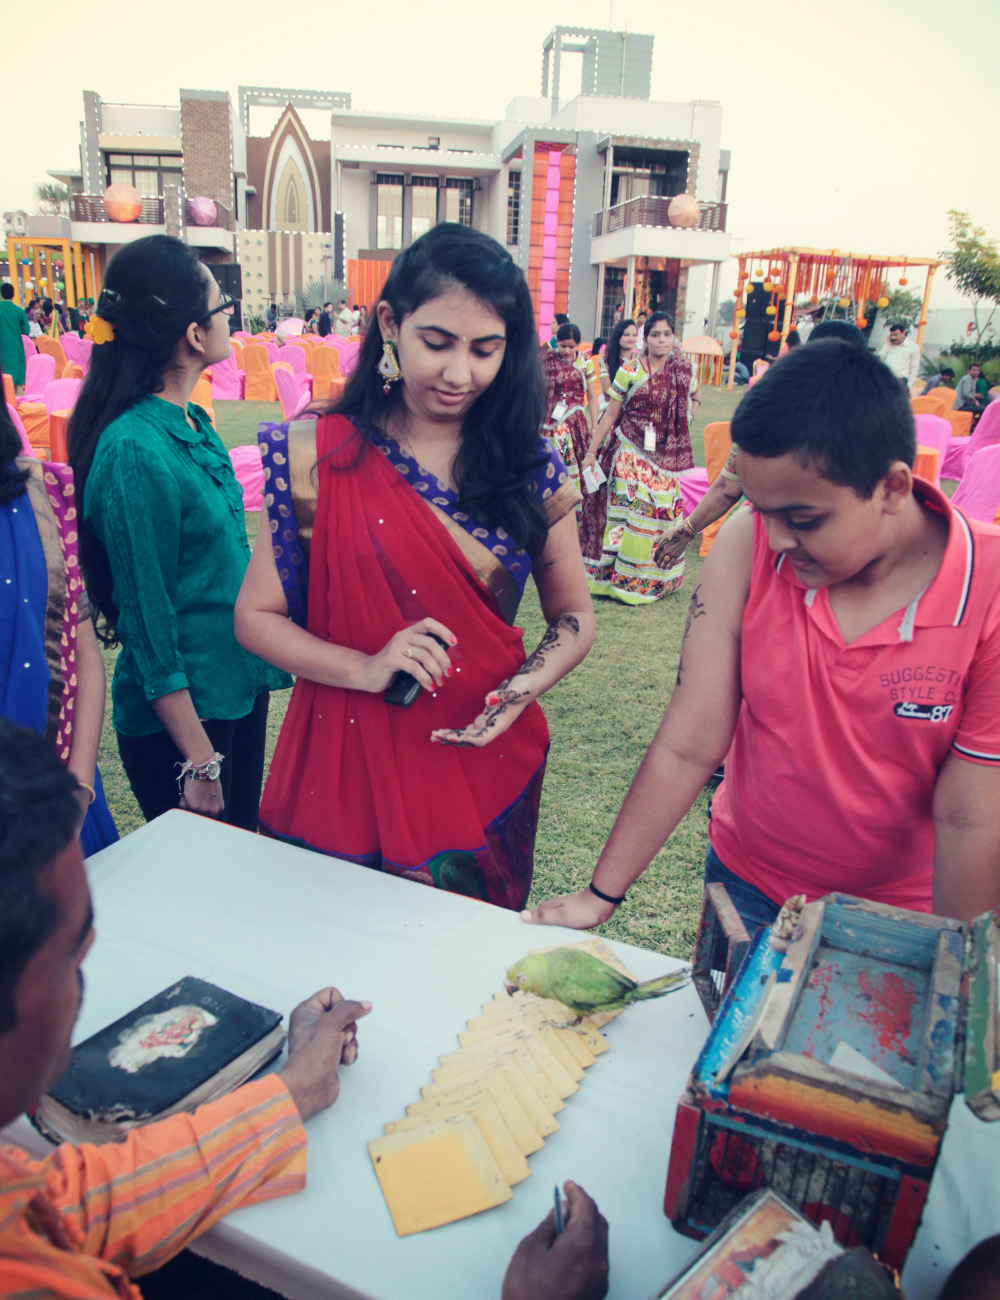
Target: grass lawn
{"points": [[602, 717]]}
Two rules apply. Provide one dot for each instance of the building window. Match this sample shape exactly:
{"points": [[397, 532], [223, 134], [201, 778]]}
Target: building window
{"points": [[425, 205], [458, 201], [614, 296], [389, 213], [513, 207], [148, 172]]}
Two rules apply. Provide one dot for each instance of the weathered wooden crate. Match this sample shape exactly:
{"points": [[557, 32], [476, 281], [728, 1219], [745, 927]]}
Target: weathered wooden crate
{"points": [[830, 1069]]}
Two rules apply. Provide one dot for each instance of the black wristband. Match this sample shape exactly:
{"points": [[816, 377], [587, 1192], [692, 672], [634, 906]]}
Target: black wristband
{"points": [[606, 898]]}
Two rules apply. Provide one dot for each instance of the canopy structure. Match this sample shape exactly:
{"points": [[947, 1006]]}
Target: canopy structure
{"points": [[706, 353], [852, 279], [54, 268]]}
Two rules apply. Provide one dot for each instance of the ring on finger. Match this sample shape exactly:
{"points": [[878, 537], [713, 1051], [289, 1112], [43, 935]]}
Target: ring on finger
{"points": [[408, 652]]}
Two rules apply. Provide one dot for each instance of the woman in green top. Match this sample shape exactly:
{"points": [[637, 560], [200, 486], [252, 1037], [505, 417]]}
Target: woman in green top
{"points": [[163, 544]]}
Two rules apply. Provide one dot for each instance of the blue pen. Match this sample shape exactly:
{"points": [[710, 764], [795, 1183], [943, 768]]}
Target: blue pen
{"points": [[559, 1214]]}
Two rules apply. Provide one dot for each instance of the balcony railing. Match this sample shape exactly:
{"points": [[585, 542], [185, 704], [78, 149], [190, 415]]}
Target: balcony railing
{"points": [[651, 210], [90, 207]]}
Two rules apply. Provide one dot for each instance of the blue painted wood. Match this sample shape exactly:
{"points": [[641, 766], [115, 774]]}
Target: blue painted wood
{"points": [[736, 1010], [875, 1006], [894, 939]]}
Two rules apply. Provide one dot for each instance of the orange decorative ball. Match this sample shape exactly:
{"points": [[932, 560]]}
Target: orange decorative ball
{"points": [[758, 273], [841, 303], [122, 202], [737, 292], [861, 321], [768, 286], [882, 304], [903, 280], [813, 299], [734, 334], [684, 211], [770, 311], [773, 336], [740, 313]]}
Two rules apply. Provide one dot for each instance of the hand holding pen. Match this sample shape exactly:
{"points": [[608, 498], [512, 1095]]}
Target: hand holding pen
{"points": [[567, 1261]]}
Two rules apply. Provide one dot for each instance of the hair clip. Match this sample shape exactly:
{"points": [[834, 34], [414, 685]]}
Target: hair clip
{"points": [[99, 330], [159, 301]]}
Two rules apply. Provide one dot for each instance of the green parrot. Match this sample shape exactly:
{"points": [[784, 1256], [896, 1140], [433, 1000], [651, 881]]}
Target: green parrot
{"points": [[583, 983]]}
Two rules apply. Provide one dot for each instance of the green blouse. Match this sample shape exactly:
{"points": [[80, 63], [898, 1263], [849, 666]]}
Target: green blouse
{"points": [[164, 502]]}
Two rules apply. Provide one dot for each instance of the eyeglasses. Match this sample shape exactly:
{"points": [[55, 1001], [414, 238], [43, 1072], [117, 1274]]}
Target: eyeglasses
{"points": [[226, 305]]}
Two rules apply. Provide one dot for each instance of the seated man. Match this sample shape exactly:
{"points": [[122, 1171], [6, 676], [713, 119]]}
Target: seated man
{"points": [[943, 379], [842, 653], [87, 1219], [972, 391]]}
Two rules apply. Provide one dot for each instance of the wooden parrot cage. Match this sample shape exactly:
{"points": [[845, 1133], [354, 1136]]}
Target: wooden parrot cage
{"points": [[851, 279]]}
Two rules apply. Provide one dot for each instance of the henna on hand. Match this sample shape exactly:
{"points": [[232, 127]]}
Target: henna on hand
{"points": [[695, 610]]}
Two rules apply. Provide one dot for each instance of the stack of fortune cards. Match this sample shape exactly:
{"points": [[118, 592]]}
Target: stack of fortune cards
{"points": [[492, 1103]]}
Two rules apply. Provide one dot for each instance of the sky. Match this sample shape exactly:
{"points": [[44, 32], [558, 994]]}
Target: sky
{"points": [[853, 124]]}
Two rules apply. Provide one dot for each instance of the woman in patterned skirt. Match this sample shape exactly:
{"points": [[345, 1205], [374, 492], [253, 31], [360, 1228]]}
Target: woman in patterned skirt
{"points": [[571, 414], [648, 451]]}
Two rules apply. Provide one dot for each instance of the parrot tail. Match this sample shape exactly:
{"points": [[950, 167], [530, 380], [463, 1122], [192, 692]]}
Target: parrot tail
{"points": [[656, 988]]}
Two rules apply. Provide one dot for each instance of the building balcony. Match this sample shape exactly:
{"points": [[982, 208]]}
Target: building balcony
{"points": [[651, 210], [90, 207], [90, 224]]}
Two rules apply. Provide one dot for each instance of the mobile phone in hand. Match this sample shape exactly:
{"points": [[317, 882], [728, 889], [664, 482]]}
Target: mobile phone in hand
{"points": [[404, 687]]}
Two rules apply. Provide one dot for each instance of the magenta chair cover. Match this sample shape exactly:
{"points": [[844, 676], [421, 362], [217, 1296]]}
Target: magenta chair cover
{"points": [[61, 394], [693, 487], [933, 431], [228, 380], [39, 370], [250, 473], [961, 450], [29, 347], [295, 357], [78, 350], [26, 447], [978, 494], [293, 396]]}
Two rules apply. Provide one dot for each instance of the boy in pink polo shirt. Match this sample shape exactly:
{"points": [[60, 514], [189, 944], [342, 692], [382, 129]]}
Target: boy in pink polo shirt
{"points": [[842, 653]]}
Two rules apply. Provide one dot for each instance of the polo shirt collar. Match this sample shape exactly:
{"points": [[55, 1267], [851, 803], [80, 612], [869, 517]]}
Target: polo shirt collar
{"points": [[174, 420]]}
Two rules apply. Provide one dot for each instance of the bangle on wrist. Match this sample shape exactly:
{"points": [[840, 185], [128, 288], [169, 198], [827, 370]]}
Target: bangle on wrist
{"points": [[606, 898], [207, 771], [89, 789]]}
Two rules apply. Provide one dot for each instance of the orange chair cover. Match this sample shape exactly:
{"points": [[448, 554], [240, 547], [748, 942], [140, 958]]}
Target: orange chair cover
{"points": [[260, 382], [237, 347], [72, 370], [326, 368], [46, 343], [201, 395], [717, 447], [925, 463], [960, 421], [58, 420], [35, 419]]}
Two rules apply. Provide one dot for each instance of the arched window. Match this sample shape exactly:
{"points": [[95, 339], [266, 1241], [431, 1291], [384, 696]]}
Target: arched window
{"points": [[292, 204]]}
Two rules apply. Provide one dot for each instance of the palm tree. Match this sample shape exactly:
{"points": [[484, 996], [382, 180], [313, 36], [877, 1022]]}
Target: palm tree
{"points": [[53, 198]]}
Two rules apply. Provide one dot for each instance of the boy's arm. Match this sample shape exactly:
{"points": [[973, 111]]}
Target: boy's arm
{"points": [[966, 839], [692, 739]]}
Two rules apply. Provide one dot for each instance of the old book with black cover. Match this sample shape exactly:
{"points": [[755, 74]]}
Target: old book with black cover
{"points": [[188, 1045]]}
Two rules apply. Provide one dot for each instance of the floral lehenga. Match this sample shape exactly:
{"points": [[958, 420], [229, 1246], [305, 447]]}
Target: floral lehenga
{"points": [[366, 543], [621, 521]]}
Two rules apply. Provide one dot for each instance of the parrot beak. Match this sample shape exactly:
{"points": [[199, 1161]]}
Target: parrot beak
{"points": [[511, 988]]}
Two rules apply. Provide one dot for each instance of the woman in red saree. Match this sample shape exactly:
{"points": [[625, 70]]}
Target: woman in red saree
{"points": [[403, 526]]}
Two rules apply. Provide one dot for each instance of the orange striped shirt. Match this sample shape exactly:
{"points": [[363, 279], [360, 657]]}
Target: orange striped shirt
{"points": [[83, 1222]]}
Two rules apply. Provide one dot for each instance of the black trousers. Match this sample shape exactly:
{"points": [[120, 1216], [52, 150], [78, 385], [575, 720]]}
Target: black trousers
{"points": [[150, 764]]}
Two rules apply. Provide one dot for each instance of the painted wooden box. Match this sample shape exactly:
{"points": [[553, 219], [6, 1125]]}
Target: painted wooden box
{"points": [[830, 1070]]}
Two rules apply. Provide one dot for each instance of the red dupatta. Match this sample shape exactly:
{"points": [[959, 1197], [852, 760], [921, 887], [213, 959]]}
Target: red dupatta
{"points": [[359, 778]]}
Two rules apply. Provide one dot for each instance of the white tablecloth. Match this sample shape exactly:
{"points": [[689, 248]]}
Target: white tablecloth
{"points": [[185, 896]]}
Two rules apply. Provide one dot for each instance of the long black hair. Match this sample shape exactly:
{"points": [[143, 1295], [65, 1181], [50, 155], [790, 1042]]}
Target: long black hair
{"points": [[499, 446], [613, 352], [153, 290], [11, 478]]}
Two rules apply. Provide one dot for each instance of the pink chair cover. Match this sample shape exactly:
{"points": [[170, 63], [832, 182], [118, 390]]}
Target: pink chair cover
{"points": [[273, 351], [978, 494], [250, 473], [61, 394], [29, 347], [228, 380], [295, 357], [78, 350], [293, 396], [26, 447], [933, 431], [961, 450], [39, 370], [693, 488]]}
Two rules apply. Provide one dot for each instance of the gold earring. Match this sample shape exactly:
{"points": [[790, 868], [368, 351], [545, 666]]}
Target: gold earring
{"points": [[388, 367]]}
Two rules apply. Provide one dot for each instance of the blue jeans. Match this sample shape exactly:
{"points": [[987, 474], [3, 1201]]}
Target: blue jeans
{"points": [[755, 908]]}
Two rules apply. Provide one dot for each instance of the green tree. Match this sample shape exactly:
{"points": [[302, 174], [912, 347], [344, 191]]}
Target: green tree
{"points": [[974, 268], [53, 199], [903, 305]]}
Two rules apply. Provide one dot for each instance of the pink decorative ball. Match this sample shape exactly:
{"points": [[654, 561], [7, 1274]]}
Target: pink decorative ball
{"points": [[122, 202], [684, 211], [202, 211]]}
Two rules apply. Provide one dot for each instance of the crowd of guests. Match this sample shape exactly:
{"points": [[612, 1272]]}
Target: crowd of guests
{"points": [[842, 647]]}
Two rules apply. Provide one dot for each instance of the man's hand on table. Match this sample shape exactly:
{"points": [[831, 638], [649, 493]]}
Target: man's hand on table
{"points": [[322, 1036], [571, 1266]]}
